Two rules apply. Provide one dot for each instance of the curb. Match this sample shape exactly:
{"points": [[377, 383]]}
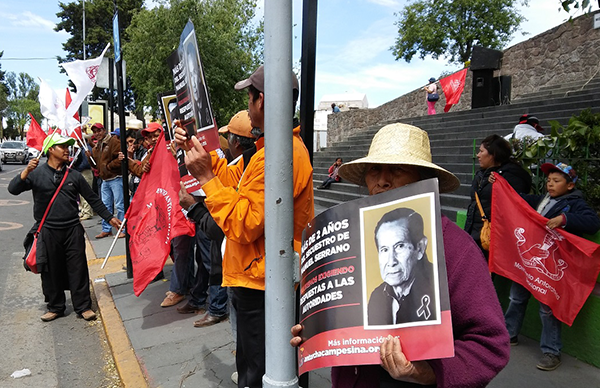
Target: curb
{"points": [[126, 362]]}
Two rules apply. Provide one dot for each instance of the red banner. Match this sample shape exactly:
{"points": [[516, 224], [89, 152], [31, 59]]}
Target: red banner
{"points": [[35, 134], [155, 217], [557, 267], [76, 133], [453, 86]]}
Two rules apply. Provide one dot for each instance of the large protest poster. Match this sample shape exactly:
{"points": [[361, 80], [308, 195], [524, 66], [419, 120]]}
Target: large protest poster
{"points": [[355, 257], [195, 112]]}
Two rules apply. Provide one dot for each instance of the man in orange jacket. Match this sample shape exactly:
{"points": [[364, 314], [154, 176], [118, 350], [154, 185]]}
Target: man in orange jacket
{"points": [[235, 197]]}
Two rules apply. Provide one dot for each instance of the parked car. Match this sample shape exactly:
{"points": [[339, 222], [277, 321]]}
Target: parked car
{"points": [[33, 153], [14, 151], [1, 159]]}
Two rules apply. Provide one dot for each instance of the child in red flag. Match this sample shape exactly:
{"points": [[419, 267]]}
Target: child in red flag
{"points": [[564, 207]]}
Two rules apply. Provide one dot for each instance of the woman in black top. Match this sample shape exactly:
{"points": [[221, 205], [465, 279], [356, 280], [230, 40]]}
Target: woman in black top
{"points": [[494, 156]]}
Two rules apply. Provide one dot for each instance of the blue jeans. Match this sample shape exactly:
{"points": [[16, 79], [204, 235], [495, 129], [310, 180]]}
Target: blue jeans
{"points": [[182, 276], [201, 291], [550, 342], [112, 193]]}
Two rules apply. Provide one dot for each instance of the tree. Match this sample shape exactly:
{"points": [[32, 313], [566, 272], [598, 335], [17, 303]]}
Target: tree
{"points": [[23, 94], [229, 45], [583, 5], [450, 28], [98, 31]]}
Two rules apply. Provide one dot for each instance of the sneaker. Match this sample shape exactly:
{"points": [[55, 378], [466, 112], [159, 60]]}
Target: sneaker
{"points": [[190, 309], [234, 377], [103, 234], [209, 320], [548, 362], [514, 341], [172, 299], [88, 315], [50, 316]]}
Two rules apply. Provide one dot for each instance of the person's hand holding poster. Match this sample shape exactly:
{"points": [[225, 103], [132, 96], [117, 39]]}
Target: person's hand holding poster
{"points": [[371, 268]]}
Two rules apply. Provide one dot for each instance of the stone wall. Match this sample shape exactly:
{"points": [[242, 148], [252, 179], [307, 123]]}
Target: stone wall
{"points": [[567, 53]]}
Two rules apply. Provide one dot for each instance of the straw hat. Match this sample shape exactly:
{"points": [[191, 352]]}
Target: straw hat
{"points": [[399, 144]]}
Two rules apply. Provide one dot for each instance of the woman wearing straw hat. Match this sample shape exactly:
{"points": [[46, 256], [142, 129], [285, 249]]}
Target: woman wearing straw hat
{"points": [[399, 155]]}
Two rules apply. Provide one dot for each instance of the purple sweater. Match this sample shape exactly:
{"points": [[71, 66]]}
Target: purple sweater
{"points": [[481, 342]]}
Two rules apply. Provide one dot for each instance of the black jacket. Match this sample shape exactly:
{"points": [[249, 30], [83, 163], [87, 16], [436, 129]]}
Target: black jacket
{"points": [[204, 221], [418, 305], [581, 218], [43, 182], [515, 175]]}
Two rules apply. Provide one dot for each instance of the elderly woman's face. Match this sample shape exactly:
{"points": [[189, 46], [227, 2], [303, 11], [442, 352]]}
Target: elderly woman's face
{"points": [[383, 177]]}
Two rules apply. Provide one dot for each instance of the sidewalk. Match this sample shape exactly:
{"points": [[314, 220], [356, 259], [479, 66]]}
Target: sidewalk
{"points": [[158, 347]]}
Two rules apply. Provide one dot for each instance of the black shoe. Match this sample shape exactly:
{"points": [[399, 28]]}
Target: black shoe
{"points": [[160, 276], [548, 362], [514, 341], [190, 309], [209, 320]]}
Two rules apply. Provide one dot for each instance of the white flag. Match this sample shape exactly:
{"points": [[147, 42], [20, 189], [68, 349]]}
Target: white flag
{"points": [[83, 75], [51, 106]]}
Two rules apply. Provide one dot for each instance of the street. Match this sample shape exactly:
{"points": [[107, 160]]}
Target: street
{"points": [[65, 353]]}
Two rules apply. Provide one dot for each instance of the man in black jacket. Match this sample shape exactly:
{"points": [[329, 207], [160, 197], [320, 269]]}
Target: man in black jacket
{"points": [[61, 258]]}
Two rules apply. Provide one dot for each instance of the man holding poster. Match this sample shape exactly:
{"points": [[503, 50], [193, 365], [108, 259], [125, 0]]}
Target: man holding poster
{"points": [[235, 197], [400, 155]]}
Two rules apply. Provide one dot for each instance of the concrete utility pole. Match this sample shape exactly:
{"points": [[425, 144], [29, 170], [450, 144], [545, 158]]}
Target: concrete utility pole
{"points": [[279, 210]]}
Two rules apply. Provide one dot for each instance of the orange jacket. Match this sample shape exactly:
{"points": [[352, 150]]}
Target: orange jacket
{"points": [[239, 211]]}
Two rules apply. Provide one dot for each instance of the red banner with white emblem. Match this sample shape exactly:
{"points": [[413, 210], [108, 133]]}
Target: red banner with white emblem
{"points": [[557, 267], [453, 86], [155, 217]]}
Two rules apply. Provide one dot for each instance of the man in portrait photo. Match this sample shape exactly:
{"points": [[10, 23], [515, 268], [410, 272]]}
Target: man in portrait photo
{"points": [[407, 293], [198, 95]]}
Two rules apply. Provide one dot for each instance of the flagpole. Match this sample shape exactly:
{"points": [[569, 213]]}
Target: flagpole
{"points": [[82, 143], [113, 243]]}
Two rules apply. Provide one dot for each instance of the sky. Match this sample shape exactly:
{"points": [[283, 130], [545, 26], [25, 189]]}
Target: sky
{"points": [[353, 45]]}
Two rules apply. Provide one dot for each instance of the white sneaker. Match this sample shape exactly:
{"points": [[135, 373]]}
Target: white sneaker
{"points": [[234, 377]]}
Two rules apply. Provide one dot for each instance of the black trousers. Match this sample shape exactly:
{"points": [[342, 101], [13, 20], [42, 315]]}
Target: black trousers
{"points": [[250, 354], [67, 268]]}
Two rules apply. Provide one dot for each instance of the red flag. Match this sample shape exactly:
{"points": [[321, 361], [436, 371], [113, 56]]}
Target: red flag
{"points": [[557, 267], [35, 134], [453, 86], [76, 133], [155, 217], [68, 102]]}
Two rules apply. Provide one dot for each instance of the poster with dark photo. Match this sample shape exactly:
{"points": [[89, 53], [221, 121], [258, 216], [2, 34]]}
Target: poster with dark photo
{"points": [[168, 105], [375, 267], [195, 112]]}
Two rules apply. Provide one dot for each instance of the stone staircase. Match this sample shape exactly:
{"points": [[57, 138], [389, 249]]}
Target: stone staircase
{"points": [[453, 136]]}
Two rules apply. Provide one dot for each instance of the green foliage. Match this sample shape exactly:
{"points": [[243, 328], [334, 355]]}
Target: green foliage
{"points": [[582, 5], [98, 32], [577, 144], [450, 28], [22, 98], [230, 47]]}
